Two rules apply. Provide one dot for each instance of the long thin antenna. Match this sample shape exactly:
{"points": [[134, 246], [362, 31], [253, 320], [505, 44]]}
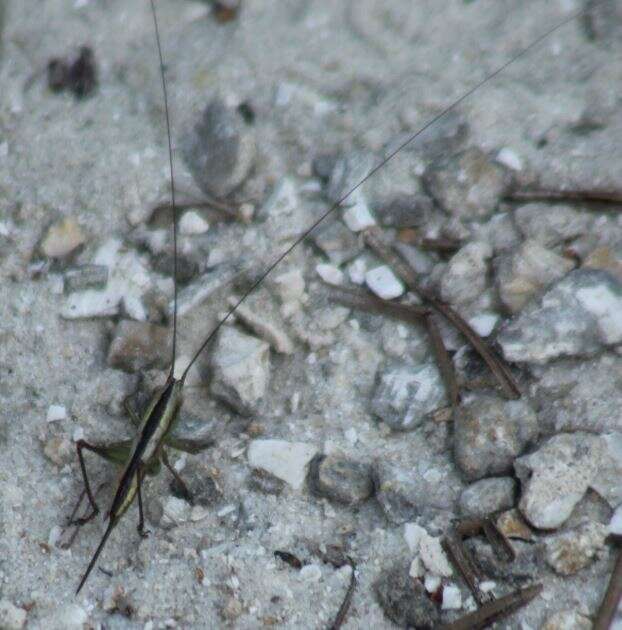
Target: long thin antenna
{"points": [[374, 170], [170, 162]]}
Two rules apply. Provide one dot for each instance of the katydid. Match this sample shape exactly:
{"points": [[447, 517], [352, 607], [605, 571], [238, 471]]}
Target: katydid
{"points": [[144, 455]]}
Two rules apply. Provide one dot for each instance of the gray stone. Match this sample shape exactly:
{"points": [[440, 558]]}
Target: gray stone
{"points": [[405, 394], [85, 277], [139, 346], [567, 620], [468, 184], [220, 149], [524, 273], [466, 275], [11, 617], [404, 600], [490, 432], [264, 482], [405, 211], [551, 224], [569, 552], [500, 232], [348, 171], [405, 494], [578, 316], [487, 496], [240, 370], [200, 481], [62, 239], [556, 476], [286, 460], [341, 479], [337, 242], [581, 396]]}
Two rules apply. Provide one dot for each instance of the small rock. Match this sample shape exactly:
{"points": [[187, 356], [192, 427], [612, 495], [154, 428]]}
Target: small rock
{"points": [[577, 316], [337, 242], [175, 512], [220, 149], [500, 232], [452, 599], [384, 283], [286, 460], [330, 274], [404, 600], [405, 495], [467, 184], [513, 525], [484, 323], [85, 277], [490, 432], [140, 346], [59, 450], [405, 211], [202, 484], [66, 617], [192, 223], [551, 225], [232, 609], [284, 211], [240, 370], [11, 617], [310, 573], [357, 216], [62, 238], [569, 552], [347, 172], [466, 275], [567, 620], [526, 272], [264, 482], [55, 413], [508, 157], [556, 477], [129, 280], [290, 286], [606, 258], [615, 524], [428, 549], [341, 479], [265, 327], [487, 496], [405, 394]]}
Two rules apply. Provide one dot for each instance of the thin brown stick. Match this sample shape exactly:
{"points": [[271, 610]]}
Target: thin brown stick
{"points": [[598, 195], [342, 613], [374, 238], [495, 610], [612, 597], [445, 364], [469, 571]]}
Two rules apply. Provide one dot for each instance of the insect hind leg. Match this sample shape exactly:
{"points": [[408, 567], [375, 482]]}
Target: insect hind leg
{"points": [[181, 483], [143, 533]]}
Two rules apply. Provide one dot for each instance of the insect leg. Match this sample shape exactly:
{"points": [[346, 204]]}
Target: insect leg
{"points": [[184, 488], [99, 450], [141, 516]]}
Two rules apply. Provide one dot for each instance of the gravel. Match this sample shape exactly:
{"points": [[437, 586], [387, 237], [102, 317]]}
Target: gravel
{"points": [[82, 187]]}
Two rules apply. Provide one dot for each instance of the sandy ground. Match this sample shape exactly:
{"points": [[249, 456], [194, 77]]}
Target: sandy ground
{"points": [[321, 77]]}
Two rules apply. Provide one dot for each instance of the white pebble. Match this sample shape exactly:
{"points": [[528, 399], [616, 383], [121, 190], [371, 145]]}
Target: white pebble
{"points": [[351, 436], [285, 460], [508, 157], [452, 600], [78, 434], [384, 283], [356, 271], [615, 524], [358, 217], [486, 586], [11, 617], [330, 274], [192, 223], [56, 412], [484, 323], [432, 582], [310, 573]]}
